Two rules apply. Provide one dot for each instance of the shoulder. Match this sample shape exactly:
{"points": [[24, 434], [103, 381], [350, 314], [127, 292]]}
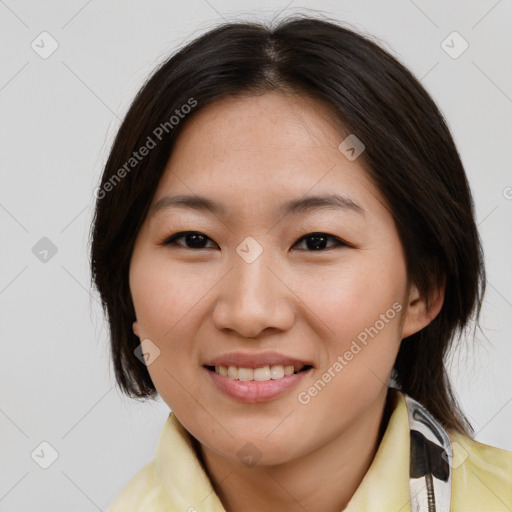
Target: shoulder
{"points": [[481, 476], [143, 492]]}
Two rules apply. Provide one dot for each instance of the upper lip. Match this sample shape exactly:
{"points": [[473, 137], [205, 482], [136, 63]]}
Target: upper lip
{"points": [[256, 360]]}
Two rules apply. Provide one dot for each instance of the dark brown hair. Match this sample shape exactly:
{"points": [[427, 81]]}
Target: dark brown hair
{"points": [[410, 155]]}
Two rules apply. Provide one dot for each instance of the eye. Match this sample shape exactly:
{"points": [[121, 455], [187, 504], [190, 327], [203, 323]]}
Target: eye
{"points": [[196, 240], [317, 241]]}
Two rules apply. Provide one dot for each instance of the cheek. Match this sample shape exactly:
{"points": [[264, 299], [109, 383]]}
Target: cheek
{"points": [[165, 302], [361, 335], [170, 305], [353, 296], [164, 297], [360, 307]]}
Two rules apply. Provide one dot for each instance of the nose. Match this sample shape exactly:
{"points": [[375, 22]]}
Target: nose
{"points": [[254, 297]]}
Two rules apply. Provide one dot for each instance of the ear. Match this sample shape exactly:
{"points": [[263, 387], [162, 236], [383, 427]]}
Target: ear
{"points": [[135, 327], [417, 316]]}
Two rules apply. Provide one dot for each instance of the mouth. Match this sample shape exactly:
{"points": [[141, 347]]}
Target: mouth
{"points": [[255, 378], [260, 374]]}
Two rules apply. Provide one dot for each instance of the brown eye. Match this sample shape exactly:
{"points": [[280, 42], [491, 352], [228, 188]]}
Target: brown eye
{"points": [[317, 241], [193, 240]]}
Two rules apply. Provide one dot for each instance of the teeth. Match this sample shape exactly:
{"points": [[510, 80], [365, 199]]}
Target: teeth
{"points": [[277, 372], [245, 374], [262, 373], [273, 372], [288, 370], [232, 372]]}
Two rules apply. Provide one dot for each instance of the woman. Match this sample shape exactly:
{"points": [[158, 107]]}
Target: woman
{"points": [[285, 247]]}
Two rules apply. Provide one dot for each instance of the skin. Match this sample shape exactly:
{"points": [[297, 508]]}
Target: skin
{"points": [[252, 154]]}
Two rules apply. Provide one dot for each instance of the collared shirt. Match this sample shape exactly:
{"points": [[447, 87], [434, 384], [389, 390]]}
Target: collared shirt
{"points": [[175, 481]]}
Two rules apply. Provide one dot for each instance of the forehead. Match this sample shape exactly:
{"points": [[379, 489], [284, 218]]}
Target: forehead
{"points": [[283, 123], [269, 147]]}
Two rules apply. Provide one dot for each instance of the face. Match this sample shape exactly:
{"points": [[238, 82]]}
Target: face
{"points": [[260, 291]]}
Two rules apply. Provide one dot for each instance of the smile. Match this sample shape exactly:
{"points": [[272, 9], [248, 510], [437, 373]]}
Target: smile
{"points": [[242, 384], [261, 374]]}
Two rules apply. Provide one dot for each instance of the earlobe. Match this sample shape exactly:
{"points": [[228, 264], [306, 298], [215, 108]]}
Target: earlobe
{"points": [[135, 327], [417, 316]]}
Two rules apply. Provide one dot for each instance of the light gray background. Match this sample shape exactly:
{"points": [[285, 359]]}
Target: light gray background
{"points": [[58, 118]]}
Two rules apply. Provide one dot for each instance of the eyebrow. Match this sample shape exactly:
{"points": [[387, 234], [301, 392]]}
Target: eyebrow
{"points": [[293, 207]]}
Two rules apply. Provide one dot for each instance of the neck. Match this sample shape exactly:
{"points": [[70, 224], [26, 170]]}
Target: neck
{"points": [[322, 480]]}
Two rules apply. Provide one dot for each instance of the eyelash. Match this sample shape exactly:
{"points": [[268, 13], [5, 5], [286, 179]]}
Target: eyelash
{"points": [[171, 240]]}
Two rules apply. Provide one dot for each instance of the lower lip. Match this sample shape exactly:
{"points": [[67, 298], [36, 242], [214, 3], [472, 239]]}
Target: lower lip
{"points": [[254, 391]]}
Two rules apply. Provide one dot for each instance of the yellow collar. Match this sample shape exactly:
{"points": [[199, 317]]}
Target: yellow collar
{"points": [[391, 459], [176, 481], [189, 486]]}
